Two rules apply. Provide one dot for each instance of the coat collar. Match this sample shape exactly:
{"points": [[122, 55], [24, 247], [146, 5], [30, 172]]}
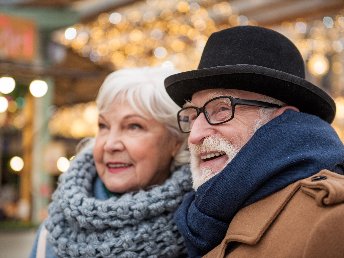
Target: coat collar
{"points": [[251, 222]]}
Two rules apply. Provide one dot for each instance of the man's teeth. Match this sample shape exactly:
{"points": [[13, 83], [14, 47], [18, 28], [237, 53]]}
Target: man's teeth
{"points": [[212, 155], [118, 165]]}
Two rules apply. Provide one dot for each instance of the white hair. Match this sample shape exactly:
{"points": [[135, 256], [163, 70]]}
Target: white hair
{"points": [[143, 88]]}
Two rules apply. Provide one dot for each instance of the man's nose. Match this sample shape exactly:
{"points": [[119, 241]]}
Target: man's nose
{"points": [[200, 130]]}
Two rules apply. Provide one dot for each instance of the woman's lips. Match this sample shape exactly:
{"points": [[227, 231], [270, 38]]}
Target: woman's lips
{"points": [[116, 167]]}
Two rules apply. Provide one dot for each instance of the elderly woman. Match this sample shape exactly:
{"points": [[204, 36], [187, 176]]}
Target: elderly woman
{"points": [[122, 189]]}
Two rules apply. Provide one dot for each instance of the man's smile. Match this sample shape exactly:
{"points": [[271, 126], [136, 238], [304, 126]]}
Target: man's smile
{"points": [[210, 156]]}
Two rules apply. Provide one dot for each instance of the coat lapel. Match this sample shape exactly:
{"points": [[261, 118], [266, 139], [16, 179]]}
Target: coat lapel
{"points": [[251, 222]]}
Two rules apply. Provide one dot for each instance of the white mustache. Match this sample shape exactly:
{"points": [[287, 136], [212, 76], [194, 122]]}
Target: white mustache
{"points": [[211, 144]]}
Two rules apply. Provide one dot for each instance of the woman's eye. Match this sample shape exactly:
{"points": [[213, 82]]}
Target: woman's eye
{"points": [[101, 126], [134, 126]]}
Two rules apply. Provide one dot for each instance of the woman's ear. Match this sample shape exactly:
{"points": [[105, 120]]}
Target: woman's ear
{"points": [[281, 110], [176, 148]]}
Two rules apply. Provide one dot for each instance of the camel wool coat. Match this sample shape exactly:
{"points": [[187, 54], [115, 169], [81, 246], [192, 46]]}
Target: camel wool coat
{"points": [[305, 219]]}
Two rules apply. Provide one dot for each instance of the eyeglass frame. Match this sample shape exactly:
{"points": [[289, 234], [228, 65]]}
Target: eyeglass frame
{"points": [[234, 102]]}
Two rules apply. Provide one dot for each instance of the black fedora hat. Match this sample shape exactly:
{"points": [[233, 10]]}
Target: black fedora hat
{"points": [[255, 59]]}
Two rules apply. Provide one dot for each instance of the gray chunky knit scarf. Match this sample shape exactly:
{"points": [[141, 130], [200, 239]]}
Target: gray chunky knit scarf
{"points": [[135, 224]]}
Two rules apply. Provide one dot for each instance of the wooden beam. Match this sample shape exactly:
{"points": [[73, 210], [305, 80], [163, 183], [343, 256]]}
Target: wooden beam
{"points": [[46, 19], [28, 70]]}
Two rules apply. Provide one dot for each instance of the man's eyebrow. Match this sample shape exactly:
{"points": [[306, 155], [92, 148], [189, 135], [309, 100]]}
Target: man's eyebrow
{"points": [[188, 104]]}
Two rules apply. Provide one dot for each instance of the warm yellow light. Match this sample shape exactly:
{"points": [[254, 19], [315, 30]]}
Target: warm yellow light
{"points": [[7, 84], [318, 65], [12, 106], [90, 114], [337, 67], [178, 45], [115, 18], [136, 35], [3, 104], [183, 7], [160, 52], [38, 88], [340, 108], [150, 32], [62, 164], [16, 163], [70, 33]]}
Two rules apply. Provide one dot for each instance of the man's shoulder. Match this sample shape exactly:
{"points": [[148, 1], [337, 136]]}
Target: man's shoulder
{"points": [[294, 221], [325, 191], [326, 188], [317, 200]]}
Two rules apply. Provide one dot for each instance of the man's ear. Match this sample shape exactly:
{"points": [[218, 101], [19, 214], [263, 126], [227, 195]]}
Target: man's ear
{"points": [[281, 110]]}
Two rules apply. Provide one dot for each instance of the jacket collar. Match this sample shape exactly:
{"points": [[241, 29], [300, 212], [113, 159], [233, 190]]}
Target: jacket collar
{"points": [[250, 223]]}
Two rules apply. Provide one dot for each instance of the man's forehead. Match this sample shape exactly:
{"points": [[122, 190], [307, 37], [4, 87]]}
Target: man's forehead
{"points": [[205, 95]]}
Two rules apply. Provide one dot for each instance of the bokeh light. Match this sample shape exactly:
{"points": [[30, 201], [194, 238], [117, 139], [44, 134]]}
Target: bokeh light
{"points": [[3, 104], [7, 84], [38, 88], [16, 163], [63, 164]]}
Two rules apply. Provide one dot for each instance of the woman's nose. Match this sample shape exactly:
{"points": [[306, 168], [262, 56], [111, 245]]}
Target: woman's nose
{"points": [[113, 143]]}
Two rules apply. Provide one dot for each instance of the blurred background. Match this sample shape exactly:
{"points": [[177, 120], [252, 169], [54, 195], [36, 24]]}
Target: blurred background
{"points": [[54, 55]]}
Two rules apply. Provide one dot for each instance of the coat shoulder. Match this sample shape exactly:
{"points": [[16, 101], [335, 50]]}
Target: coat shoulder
{"points": [[326, 236], [306, 219]]}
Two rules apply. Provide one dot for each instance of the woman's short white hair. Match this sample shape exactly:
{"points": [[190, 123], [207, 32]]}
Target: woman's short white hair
{"points": [[143, 88]]}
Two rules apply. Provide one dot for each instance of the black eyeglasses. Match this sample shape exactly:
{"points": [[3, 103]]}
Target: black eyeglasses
{"points": [[217, 111]]}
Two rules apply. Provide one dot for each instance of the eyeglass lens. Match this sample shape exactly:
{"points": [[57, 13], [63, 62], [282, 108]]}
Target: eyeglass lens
{"points": [[216, 111]]}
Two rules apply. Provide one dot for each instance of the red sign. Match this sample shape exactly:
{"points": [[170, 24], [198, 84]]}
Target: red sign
{"points": [[17, 38]]}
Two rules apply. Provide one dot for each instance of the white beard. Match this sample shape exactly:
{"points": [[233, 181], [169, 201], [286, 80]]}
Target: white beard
{"points": [[210, 144]]}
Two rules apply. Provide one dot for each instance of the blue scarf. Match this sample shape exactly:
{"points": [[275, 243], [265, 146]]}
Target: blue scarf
{"points": [[291, 147]]}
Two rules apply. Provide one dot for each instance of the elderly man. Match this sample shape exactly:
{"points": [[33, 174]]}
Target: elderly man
{"points": [[266, 164]]}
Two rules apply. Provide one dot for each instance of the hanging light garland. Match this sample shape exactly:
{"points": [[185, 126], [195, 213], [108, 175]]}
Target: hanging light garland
{"points": [[151, 32]]}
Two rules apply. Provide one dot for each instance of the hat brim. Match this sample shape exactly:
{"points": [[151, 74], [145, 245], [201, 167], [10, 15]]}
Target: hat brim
{"points": [[292, 90]]}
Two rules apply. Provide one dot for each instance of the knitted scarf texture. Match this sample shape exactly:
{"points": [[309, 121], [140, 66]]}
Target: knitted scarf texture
{"points": [[291, 147], [135, 224]]}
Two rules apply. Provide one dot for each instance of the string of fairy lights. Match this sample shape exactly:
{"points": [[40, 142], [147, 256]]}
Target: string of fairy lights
{"points": [[150, 32]]}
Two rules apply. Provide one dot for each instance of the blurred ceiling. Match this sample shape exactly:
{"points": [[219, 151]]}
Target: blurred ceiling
{"points": [[264, 12]]}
